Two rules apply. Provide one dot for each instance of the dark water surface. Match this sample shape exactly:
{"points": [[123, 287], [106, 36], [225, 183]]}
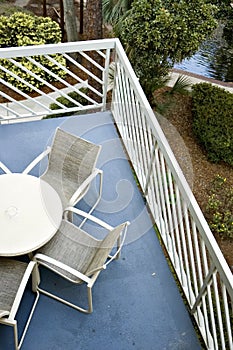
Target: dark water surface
{"points": [[213, 60]]}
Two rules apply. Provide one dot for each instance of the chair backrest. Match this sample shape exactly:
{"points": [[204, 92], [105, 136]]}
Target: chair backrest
{"points": [[72, 159], [105, 248], [11, 273]]}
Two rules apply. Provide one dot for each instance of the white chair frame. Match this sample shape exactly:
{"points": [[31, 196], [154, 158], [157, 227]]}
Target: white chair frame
{"points": [[43, 260], [9, 318]]}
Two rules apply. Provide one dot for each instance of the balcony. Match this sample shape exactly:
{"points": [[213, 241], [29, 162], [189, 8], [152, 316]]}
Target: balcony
{"points": [[137, 302]]}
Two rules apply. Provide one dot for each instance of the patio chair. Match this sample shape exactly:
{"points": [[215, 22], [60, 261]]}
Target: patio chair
{"points": [[14, 276], [79, 257], [71, 167]]}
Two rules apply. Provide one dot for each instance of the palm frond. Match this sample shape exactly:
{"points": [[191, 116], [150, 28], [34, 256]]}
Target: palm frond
{"points": [[113, 10], [181, 85]]}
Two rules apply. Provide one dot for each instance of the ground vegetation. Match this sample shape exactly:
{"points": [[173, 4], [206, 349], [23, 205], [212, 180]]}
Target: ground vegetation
{"points": [[201, 174], [212, 110]]}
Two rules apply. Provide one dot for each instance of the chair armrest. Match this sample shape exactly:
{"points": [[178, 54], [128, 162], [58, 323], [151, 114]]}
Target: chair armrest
{"points": [[36, 160], [43, 259], [89, 217], [73, 200], [122, 241], [4, 168], [3, 313]]}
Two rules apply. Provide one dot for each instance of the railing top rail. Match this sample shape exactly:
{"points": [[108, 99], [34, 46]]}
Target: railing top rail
{"points": [[180, 179], [63, 68], [32, 50]]}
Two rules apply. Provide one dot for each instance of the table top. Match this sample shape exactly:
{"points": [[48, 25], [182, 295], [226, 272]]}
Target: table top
{"points": [[30, 213]]}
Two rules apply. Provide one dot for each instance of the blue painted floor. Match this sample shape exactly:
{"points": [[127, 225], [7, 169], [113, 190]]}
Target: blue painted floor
{"points": [[136, 302]]}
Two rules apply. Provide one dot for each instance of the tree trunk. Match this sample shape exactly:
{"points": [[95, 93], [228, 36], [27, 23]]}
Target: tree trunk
{"points": [[93, 30], [93, 20], [70, 20]]}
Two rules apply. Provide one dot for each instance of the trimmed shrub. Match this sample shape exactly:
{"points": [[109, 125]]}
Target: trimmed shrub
{"points": [[21, 29], [213, 121]]}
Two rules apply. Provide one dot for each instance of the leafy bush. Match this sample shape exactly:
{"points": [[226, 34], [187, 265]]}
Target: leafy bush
{"points": [[219, 209], [67, 103], [212, 121], [21, 29], [228, 32]]}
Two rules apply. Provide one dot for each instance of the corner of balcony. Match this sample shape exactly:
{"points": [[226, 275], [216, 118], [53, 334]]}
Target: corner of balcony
{"points": [[137, 303]]}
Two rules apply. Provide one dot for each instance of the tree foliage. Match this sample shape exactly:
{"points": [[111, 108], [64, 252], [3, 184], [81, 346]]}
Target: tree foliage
{"points": [[113, 10], [159, 33], [224, 8]]}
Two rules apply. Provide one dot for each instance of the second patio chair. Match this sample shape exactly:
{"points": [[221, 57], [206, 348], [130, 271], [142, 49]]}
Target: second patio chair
{"points": [[79, 257], [71, 167], [14, 276]]}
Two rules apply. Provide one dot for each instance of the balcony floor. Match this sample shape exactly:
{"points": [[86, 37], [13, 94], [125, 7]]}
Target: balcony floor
{"points": [[136, 302]]}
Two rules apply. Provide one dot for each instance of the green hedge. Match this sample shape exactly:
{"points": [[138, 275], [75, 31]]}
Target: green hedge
{"points": [[21, 29], [213, 121], [75, 96]]}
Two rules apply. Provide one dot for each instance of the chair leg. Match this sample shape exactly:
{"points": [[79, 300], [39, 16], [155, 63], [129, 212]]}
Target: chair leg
{"points": [[13, 323], [15, 330], [89, 296], [118, 246], [35, 278], [76, 307], [17, 347], [29, 319]]}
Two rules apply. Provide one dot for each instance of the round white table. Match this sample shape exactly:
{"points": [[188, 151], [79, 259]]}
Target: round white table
{"points": [[30, 213]]}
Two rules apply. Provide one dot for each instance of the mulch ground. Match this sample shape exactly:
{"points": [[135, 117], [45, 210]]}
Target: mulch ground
{"points": [[198, 170]]}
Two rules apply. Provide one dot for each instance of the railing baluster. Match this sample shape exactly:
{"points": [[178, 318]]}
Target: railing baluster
{"points": [[186, 235], [105, 76], [210, 318], [227, 313], [199, 277]]}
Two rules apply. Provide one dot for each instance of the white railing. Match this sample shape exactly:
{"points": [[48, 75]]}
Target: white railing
{"points": [[202, 271], [33, 77]]}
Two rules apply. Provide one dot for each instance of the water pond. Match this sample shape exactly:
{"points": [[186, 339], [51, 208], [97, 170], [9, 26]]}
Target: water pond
{"points": [[213, 60]]}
